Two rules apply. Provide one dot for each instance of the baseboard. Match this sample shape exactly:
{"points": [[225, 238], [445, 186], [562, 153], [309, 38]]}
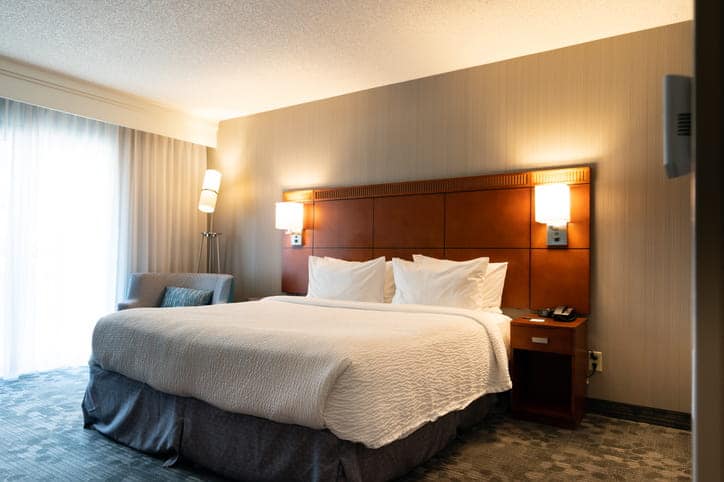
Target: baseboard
{"points": [[637, 413]]}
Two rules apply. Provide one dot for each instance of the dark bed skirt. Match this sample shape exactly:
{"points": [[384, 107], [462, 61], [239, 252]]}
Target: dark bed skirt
{"points": [[251, 448]]}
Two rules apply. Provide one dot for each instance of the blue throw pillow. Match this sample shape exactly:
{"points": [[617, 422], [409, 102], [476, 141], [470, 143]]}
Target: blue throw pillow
{"points": [[175, 296]]}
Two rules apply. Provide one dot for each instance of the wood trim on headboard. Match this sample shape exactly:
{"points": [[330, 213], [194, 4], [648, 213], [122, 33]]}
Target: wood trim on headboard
{"points": [[574, 175], [459, 218]]}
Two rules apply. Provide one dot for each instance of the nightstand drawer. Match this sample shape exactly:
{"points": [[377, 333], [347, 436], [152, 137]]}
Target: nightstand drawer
{"points": [[538, 338]]}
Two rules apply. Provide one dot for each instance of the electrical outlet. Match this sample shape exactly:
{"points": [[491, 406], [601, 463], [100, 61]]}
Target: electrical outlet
{"points": [[597, 358]]}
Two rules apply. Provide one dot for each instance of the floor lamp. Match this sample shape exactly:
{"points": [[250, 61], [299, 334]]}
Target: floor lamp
{"points": [[207, 204]]}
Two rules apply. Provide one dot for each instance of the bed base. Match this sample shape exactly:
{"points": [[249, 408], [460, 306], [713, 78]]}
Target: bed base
{"points": [[251, 448]]}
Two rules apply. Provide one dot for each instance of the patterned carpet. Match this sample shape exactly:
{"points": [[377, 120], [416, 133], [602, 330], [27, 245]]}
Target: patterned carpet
{"points": [[41, 438]]}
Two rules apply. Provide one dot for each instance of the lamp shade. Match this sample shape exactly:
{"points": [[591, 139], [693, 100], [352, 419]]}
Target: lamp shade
{"points": [[212, 180], [209, 191], [553, 204], [290, 216], [207, 201]]}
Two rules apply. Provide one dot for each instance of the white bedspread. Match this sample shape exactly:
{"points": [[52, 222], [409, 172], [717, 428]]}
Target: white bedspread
{"points": [[369, 372]]}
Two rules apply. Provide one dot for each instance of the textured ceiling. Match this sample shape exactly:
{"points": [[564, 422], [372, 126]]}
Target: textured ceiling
{"points": [[221, 59]]}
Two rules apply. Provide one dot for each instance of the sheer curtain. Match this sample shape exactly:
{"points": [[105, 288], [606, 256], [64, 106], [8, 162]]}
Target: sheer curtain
{"points": [[160, 184], [58, 235], [82, 203]]}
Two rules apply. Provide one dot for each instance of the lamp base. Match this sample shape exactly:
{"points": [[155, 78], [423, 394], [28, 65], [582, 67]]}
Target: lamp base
{"points": [[211, 239]]}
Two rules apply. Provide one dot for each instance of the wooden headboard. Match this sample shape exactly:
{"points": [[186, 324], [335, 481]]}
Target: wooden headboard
{"points": [[460, 219]]}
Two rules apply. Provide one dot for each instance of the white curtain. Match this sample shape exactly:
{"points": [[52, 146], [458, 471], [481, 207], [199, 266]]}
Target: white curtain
{"points": [[160, 184], [82, 203]]}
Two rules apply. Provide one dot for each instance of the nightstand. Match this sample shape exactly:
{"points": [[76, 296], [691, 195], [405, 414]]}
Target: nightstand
{"points": [[549, 365]]}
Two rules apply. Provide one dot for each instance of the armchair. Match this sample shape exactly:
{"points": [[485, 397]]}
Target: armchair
{"points": [[147, 289]]}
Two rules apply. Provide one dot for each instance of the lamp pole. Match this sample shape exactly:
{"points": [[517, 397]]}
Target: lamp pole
{"points": [[211, 239], [207, 204]]}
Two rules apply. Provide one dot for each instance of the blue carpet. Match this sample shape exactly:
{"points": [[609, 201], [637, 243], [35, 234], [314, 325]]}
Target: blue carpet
{"points": [[42, 438]]}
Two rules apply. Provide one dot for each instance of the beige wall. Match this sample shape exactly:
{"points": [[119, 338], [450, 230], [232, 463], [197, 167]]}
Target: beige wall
{"points": [[597, 103]]}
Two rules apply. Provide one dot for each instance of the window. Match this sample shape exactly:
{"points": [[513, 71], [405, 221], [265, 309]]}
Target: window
{"points": [[58, 235]]}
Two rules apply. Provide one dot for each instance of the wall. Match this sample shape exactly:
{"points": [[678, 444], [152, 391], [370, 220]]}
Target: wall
{"points": [[33, 85], [597, 103]]}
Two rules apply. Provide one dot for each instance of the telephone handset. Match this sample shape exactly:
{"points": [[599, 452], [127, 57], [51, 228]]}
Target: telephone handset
{"points": [[564, 313]]}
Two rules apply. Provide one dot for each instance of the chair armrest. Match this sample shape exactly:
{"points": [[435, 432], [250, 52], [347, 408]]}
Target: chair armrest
{"points": [[224, 290], [128, 304]]}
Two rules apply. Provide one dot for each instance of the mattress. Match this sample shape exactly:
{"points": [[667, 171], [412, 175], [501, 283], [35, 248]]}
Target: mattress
{"points": [[503, 324], [370, 373]]}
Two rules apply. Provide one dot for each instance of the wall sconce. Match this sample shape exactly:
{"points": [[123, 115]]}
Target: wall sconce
{"points": [[553, 207], [290, 217]]}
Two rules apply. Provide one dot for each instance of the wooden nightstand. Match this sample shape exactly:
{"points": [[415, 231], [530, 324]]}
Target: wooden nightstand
{"points": [[549, 365]]}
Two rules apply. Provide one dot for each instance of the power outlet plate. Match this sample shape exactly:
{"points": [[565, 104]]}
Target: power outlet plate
{"points": [[295, 240], [597, 358], [557, 235]]}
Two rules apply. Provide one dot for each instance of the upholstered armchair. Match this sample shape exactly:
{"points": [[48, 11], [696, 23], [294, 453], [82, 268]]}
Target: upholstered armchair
{"points": [[147, 289]]}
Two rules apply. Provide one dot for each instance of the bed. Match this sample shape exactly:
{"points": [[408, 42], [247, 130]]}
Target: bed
{"points": [[310, 388], [295, 387]]}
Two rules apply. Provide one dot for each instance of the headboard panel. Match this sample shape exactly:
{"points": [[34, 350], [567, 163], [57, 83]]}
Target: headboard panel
{"points": [[343, 223], [459, 218], [414, 221], [473, 219]]}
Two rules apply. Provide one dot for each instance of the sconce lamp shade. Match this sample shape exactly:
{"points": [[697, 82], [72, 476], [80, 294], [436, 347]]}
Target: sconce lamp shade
{"points": [[290, 216], [553, 204], [209, 191]]}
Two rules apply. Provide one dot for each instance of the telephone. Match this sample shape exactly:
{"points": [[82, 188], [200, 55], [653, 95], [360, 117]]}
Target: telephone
{"points": [[564, 313]]}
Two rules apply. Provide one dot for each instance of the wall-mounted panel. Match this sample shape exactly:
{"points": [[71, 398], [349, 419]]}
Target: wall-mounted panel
{"points": [[295, 275], [498, 218], [560, 277], [410, 221], [516, 293], [493, 221], [348, 254], [343, 224]]}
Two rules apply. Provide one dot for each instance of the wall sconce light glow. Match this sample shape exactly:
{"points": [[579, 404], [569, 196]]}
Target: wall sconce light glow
{"points": [[290, 217], [209, 191], [553, 204], [553, 207]]}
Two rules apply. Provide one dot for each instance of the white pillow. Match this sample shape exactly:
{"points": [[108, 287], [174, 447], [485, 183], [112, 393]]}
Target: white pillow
{"points": [[389, 282], [492, 285], [346, 280], [436, 284]]}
